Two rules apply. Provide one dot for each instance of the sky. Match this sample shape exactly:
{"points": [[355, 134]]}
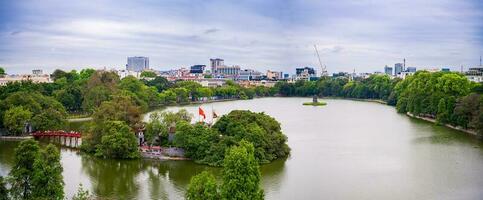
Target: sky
{"points": [[360, 35]]}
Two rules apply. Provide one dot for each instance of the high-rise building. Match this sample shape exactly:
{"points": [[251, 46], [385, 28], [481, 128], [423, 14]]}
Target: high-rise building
{"points": [[249, 74], [398, 68], [306, 73], [411, 69], [228, 71], [308, 70], [274, 75], [37, 72], [388, 70], [197, 69], [137, 63], [215, 64]]}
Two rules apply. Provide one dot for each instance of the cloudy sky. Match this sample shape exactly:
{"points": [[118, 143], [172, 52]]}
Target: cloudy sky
{"points": [[363, 35]]}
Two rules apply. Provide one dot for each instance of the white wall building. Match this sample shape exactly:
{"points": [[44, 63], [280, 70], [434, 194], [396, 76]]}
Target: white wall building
{"points": [[124, 73], [45, 78]]}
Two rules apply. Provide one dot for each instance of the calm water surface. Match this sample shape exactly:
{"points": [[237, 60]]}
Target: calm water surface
{"points": [[345, 150]]}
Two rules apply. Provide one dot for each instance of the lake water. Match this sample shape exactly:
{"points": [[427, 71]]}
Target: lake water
{"points": [[345, 150]]}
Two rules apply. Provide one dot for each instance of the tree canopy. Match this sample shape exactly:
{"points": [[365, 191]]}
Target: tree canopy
{"points": [[208, 145], [117, 141], [241, 177], [203, 187], [37, 173]]}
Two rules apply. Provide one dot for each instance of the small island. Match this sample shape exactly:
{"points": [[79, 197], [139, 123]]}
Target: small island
{"points": [[314, 102]]}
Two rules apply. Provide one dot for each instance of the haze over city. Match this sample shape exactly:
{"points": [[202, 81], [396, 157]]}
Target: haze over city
{"points": [[279, 35]]}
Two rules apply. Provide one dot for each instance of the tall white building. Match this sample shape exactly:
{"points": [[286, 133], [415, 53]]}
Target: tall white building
{"points": [[215, 64], [137, 63]]}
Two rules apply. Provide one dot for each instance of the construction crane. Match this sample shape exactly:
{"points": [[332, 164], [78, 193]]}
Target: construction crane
{"points": [[322, 67]]}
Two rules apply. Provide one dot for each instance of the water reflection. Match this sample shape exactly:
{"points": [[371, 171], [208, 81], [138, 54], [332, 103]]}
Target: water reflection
{"points": [[113, 178]]}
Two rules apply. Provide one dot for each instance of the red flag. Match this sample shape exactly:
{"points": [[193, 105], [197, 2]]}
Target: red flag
{"points": [[201, 112]]}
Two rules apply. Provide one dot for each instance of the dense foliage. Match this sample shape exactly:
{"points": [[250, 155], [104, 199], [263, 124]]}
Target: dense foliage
{"points": [[373, 87], [203, 187], [22, 107], [241, 174], [208, 145], [446, 97], [160, 124], [117, 141], [37, 173], [3, 189], [241, 177]]}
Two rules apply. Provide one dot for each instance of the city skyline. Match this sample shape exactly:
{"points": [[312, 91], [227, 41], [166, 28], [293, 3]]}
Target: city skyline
{"points": [[258, 35]]}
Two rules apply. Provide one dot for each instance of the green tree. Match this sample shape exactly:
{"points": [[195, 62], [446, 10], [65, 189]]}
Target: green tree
{"points": [[23, 171], [241, 174], [85, 74], [47, 181], [154, 128], [3, 189], [202, 187], [98, 88], [49, 119], [467, 111], [71, 97], [168, 97], [182, 95], [120, 108], [160, 83], [442, 116], [117, 141], [161, 122], [2, 71], [149, 74], [15, 119], [57, 74]]}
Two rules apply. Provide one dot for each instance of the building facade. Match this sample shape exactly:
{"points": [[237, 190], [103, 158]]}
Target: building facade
{"points": [[410, 69], [475, 74], [228, 71], [274, 75], [197, 69], [398, 68], [305, 73], [388, 70], [215, 64], [42, 78], [137, 63], [249, 74]]}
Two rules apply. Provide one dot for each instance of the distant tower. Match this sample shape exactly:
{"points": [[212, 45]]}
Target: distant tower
{"points": [[404, 65]]}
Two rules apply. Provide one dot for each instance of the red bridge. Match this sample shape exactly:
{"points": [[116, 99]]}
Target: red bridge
{"points": [[56, 134], [65, 138]]}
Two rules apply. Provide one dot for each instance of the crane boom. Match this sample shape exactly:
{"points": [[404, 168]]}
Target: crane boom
{"points": [[324, 71]]}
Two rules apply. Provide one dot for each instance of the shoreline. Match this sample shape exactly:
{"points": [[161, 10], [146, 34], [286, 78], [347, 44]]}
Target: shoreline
{"points": [[427, 119], [355, 99], [15, 138]]}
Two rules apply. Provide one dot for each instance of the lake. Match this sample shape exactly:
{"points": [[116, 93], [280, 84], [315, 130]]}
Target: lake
{"points": [[345, 150]]}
